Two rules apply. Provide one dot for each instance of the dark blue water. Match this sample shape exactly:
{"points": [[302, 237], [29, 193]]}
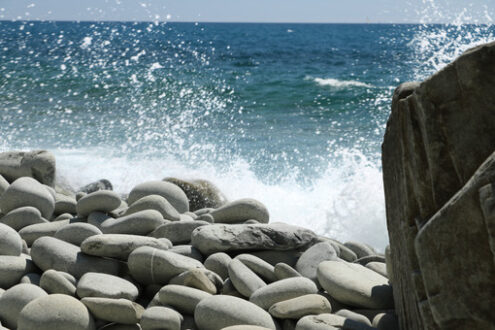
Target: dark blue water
{"points": [[291, 114]]}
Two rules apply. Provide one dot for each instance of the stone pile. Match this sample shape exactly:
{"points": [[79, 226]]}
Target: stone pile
{"points": [[174, 255]]}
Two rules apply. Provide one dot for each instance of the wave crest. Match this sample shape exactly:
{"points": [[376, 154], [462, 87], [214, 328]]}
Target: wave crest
{"points": [[339, 83]]}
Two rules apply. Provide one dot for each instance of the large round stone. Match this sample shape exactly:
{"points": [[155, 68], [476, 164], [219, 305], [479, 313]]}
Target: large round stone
{"points": [[158, 317], [312, 257], [217, 312], [172, 193], [201, 193], [178, 232], [106, 286], [244, 279], [149, 265], [14, 299], [355, 285], [219, 263], [296, 308], [98, 201], [120, 245], [10, 241], [27, 191], [58, 282], [55, 312], [33, 232]]}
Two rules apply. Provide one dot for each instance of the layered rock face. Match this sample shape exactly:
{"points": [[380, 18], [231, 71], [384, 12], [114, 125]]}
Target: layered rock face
{"points": [[438, 171]]}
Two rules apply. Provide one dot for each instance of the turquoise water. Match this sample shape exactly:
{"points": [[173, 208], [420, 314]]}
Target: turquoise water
{"points": [[290, 114]]}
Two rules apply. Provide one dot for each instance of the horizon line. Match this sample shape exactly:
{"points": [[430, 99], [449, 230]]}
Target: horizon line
{"points": [[233, 22]]}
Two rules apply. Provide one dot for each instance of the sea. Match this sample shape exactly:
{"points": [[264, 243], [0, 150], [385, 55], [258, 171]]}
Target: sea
{"points": [[292, 115]]}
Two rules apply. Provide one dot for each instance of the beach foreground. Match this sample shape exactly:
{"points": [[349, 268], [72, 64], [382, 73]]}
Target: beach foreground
{"points": [[171, 254]]}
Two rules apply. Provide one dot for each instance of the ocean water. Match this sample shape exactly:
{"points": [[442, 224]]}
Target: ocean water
{"points": [[290, 114]]}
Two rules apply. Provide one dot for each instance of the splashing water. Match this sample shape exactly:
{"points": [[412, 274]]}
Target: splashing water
{"points": [[231, 103]]}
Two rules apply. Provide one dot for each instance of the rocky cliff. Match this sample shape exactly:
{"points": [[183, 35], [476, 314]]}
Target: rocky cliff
{"points": [[438, 170]]}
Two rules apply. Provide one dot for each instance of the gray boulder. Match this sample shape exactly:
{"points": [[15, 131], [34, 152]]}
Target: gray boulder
{"points": [[102, 184], [159, 317], [223, 237], [27, 191], [13, 268], [219, 263], [4, 184], [76, 233], [32, 232], [438, 134], [178, 232], [312, 257], [139, 223], [183, 298], [296, 308], [53, 281], [282, 290], [37, 164], [244, 279], [120, 310]]}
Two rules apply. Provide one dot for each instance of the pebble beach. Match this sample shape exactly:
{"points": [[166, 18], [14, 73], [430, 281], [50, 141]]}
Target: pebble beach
{"points": [[172, 254]]}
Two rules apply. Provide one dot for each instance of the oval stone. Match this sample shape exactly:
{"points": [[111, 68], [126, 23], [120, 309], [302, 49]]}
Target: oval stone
{"points": [[55, 312], [76, 233], [14, 299], [22, 217], [139, 223], [282, 290], [105, 286], [219, 311], [158, 317], [244, 279], [355, 285], [181, 297], [149, 265], [98, 201], [296, 308], [10, 241], [178, 232], [122, 311], [13, 268], [26, 191], [241, 210], [58, 282], [154, 202]]}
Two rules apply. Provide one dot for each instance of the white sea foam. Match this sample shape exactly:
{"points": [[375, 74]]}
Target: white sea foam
{"points": [[345, 202], [336, 83]]}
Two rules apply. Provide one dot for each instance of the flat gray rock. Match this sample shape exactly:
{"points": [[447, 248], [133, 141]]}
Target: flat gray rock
{"points": [[55, 312], [98, 201], [121, 311], [10, 241], [14, 299], [22, 217], [244, 279], [178, 232], [53, 281], [312, 257], [220, 311], [296, 308], [139, 223], [105, 286], [157, 203], [149, 265], [172, 193], [223, 237], [27, 191], [181, 297], [52, 253], [158, 317], [355, 285], [241, 210], [282, 290], [76, 233], [120, 245]]}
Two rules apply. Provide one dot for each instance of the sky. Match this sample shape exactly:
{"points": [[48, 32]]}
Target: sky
{"points": [[294, 11]]}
